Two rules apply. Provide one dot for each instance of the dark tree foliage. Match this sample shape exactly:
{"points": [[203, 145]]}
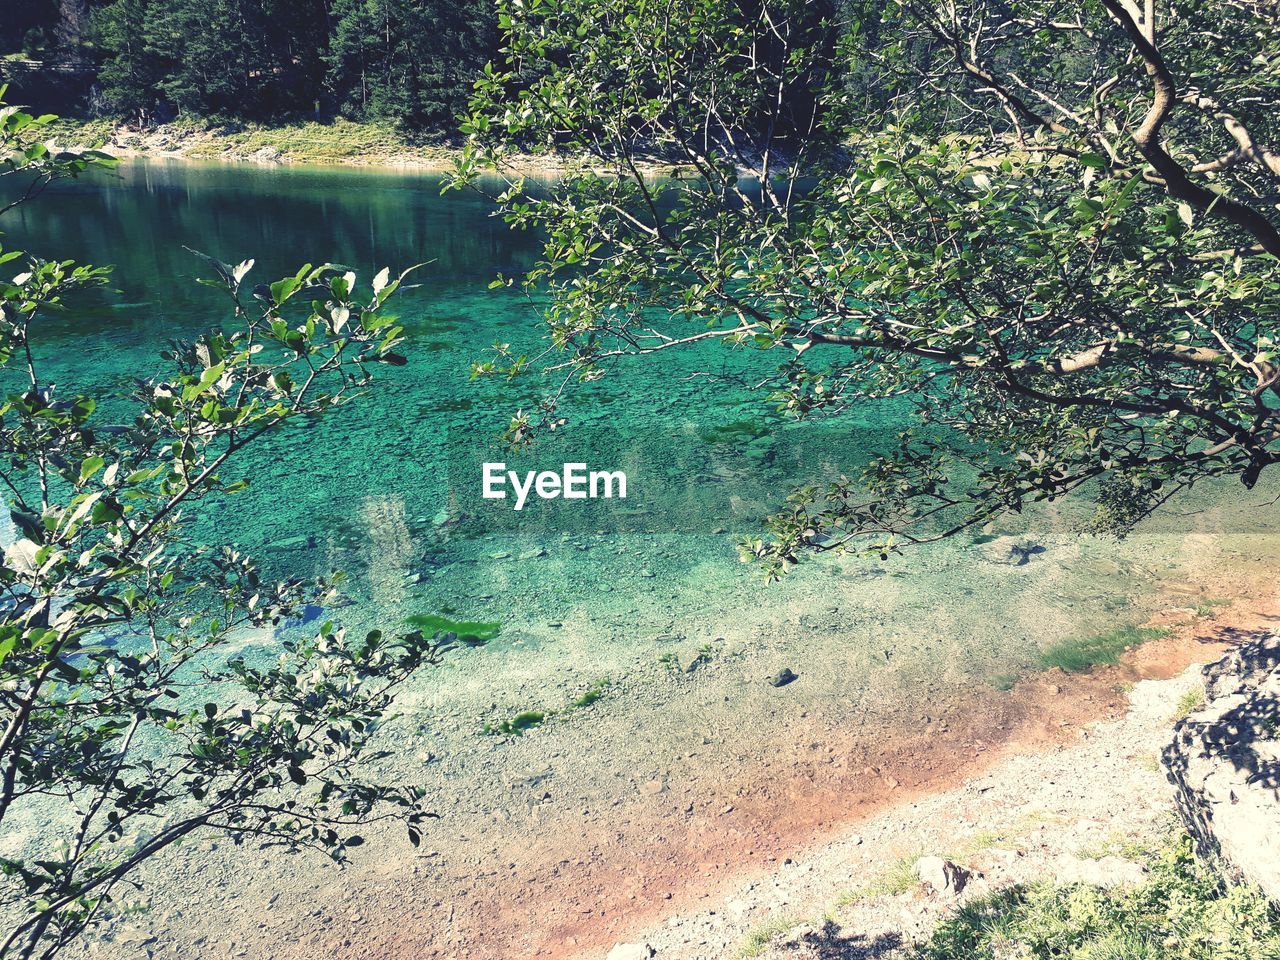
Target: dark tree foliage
{"points": [[411, 61], [27, 26]]}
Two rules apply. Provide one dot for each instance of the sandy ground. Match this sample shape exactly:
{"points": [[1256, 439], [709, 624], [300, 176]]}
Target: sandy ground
{"points": [[688, 840], [1067, 810]]}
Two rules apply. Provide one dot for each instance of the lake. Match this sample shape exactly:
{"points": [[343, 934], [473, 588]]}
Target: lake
{"points": [[642, 600]]}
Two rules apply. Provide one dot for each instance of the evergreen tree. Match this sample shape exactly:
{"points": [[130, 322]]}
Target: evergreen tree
{"points": [[129, 76], [412, 61]]}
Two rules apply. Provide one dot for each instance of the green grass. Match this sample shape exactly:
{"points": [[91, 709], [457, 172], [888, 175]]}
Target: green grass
{"points": [[1182, 911], [517, 725], [898, 877], [468, 631], [592, 694], [1207, 608], [1077, 654], [528, 719], [671, 661], [1118, 844], [1004, 681], [759, 939], [1190, 701]]}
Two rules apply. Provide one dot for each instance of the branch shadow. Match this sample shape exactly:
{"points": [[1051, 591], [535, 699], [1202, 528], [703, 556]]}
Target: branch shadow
{"points": [[829, 942], [1236, 636], [1243, 734]]}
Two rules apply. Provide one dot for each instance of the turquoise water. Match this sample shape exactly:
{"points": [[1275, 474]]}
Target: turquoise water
{"points": [[387, 490]]}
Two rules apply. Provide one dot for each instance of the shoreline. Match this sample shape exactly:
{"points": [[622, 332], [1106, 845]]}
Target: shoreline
{"points": [[573, 889], [1085, 809], [566, 869], [339, 143], [1055, 712]]}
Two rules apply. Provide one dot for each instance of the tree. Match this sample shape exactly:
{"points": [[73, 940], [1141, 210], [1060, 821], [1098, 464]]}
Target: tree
{"points": [[412, 61], [28, 26], [132, 70], [126, 722], [251, 58], [1054, 234]]}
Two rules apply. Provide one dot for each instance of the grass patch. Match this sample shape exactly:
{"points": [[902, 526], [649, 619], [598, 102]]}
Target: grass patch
{"points": [[759, 939], [529, 719], [517, 725], [1190, 701], [471, 632], [1117, 844], [1004, 681], [898, 877], [593, 693], [1077, 654], [1207, 608], [671, 661], [1182, 911]]}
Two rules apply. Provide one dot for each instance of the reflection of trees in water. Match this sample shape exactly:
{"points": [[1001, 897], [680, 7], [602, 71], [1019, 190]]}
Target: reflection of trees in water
{"points": [[387, 548]]}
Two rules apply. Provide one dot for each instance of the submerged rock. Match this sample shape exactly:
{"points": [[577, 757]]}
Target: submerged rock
{"points": [[631, 951], [1011, 551]]}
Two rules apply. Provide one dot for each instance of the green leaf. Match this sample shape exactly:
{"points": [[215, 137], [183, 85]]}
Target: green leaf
{"points": [[89, 467]]}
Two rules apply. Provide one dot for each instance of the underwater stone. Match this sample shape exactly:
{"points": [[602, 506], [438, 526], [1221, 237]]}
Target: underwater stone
{"points": [[1011, 551], [783, 677]]}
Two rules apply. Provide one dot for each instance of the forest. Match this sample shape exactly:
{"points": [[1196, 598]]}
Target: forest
{"points": [[148, 61]]}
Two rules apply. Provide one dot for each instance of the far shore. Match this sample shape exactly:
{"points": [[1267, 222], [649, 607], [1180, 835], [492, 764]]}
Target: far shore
{"points": [[372, 145]]}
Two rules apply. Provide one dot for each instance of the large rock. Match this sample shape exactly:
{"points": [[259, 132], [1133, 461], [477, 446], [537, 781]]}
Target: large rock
{"points": [[943, 877], [1225, 764]]}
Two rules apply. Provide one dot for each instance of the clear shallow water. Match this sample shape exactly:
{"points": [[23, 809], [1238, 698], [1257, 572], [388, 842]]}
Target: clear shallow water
{"points": [[387, 489]]}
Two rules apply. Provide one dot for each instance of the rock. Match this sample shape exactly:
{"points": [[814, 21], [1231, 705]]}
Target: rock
{"points": [[942, 876], [783, 677], [292, 543], [1011, 551], [1224, 763], [631, 951], [697, 663]]}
